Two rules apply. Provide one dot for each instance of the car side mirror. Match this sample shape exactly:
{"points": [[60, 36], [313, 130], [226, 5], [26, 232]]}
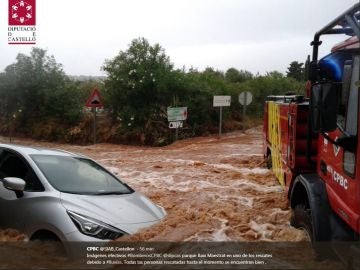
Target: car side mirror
{"points": [[14, 184], [323, 107]]}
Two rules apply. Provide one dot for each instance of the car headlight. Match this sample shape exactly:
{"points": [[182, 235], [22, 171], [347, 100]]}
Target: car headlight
{"points": [[94, 227]]}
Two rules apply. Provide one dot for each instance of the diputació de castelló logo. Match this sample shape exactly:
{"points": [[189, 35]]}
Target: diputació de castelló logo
{"points": [[22, 22]]}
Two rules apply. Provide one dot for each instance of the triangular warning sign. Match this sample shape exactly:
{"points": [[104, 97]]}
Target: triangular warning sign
{"points": [[94, 100]]}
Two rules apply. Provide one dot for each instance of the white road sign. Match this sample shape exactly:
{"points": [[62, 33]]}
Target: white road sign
{"points": [[222, 101], [177, 114], [245, 98], [176, 124]]}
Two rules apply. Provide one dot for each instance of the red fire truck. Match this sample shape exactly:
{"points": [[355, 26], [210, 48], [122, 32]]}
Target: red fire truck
{"points": [[312, 141]]}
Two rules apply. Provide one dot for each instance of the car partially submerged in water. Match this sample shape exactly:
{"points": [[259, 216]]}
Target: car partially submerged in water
{"points": [[58, 195]]}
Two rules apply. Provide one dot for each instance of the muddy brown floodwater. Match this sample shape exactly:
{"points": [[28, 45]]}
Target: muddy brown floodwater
{"points": [[212, 189]]}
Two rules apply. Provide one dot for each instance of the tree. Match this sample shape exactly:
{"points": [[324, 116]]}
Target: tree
{"points": [[35, 88], [233, 75], [273, 83], [296, 71], [275, 74], [138, 81], [211, 72]]}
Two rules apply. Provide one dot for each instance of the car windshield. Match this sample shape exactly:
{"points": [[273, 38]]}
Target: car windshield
{"points": [[79, 175]]}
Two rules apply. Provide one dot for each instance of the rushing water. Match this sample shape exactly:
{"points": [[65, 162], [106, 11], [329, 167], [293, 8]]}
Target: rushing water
{"points": [[212, 189]]}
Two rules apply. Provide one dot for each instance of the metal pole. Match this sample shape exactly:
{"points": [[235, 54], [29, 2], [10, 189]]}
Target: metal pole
{"points": [[94, 126], [244, 107], [220, 121], [10, 130]]}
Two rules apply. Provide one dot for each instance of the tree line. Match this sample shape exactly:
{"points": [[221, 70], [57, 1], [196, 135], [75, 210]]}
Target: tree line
{"points": [[39, 100]]}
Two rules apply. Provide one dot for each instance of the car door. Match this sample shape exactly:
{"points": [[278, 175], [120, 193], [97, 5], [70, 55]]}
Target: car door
{"points": [[13, 209]]}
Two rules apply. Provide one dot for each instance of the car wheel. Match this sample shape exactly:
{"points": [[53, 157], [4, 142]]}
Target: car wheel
{"points": [[50, 239]]}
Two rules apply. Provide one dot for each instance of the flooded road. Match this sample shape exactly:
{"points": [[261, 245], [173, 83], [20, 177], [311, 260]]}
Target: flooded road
{"points": [[212, 189]]}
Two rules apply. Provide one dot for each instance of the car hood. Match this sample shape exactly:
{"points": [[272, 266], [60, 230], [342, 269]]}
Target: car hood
{"points": [[114, 209]]}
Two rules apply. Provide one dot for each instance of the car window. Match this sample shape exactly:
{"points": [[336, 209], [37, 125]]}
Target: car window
{"points": [[13, 166], [79, 175]]}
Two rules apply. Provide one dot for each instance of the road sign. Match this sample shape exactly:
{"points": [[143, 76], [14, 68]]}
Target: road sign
{"points": [[94, 101], [177, 114], [176, 124], [222, 101], [245, 98]]}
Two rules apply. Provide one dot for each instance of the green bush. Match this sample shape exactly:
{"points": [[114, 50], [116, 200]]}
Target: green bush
{"points": [[39, 100]]}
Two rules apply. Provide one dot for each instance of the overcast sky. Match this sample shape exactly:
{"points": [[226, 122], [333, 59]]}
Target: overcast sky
{"points": [[256, 35]]}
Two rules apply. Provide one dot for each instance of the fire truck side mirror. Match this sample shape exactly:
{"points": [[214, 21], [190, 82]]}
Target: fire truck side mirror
{"points": [[313, 71], [323, 107], [347, 142]]}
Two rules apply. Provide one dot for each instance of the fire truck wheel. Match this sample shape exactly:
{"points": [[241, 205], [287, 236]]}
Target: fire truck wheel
{"points": [[269, 162], [301, 219]]}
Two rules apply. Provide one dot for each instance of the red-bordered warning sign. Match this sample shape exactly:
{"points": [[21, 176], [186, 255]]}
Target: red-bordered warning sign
{"points": [[94, 100]]}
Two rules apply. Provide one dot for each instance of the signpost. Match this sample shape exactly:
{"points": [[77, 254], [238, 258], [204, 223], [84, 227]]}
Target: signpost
{"points": [[245, 98], [177, 124], [176, 116], [221, 101], [94, 101]]}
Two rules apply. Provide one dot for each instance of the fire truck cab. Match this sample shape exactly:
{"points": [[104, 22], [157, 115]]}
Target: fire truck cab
{"points": [[312, 141]]}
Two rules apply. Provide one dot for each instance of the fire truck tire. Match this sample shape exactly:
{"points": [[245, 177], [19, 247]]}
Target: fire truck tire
{"points": [[311, 212], [269, 161], [301, 219]]}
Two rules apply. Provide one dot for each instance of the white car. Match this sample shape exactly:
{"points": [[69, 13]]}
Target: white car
{"points": [[58, 195]]}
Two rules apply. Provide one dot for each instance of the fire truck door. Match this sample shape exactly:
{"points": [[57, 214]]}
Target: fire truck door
{"points": [[338, 161]]}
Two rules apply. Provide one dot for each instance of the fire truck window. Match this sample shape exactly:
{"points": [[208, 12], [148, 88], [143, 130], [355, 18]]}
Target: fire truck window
{"points": [[352, 116], [341, 113], [352, 110], [349, 163], [344, 94]]}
